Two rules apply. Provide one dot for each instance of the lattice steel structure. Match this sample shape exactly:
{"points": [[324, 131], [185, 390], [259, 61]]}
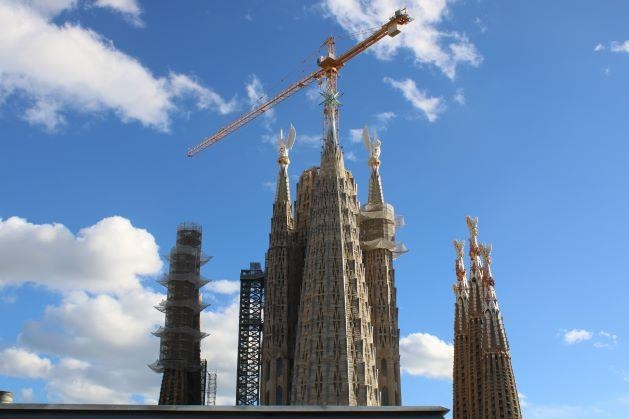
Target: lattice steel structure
{"points": [[212, 386], [249, 335], [180, 338]]}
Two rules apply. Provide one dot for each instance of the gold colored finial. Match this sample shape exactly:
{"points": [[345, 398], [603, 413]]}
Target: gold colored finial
{"points": [[472, 225]]}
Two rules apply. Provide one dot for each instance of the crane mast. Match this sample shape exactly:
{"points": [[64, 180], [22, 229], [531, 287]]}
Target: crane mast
{"points": [[329, 67]]}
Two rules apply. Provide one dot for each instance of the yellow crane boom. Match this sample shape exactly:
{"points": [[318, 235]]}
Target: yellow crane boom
{"points": [[329, 69]]}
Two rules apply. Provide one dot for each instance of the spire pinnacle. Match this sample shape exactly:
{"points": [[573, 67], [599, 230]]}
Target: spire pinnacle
{"points": [[461, 287], [485, 251], [472, 225], [284, 145]]}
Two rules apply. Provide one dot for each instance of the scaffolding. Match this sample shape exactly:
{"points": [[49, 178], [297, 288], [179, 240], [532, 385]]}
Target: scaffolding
{"points": [[184, 373], [250, 335], [212, 386]]}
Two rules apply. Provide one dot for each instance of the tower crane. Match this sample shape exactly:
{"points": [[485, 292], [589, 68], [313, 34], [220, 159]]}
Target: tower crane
{"points": [[329, 66]]}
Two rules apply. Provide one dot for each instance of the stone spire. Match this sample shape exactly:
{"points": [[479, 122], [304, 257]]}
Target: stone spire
{"points": [[377, 230], [500, 395], [484, 384], [475, 325], [334, 357], [461, 371], [277, 348]]}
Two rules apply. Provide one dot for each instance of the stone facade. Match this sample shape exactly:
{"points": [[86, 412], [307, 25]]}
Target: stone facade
{"points": [[484, 383], [330, 329]]}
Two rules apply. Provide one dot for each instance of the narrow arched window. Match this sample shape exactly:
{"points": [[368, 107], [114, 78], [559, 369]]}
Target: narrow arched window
{"points": [[279, 395], [279, 367], [383, 366]]}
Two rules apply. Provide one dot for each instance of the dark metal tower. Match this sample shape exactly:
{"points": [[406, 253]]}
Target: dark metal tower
{"points": [[250, 335], [180, 337]]}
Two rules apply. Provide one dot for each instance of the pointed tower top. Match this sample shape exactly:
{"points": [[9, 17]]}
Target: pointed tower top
{"points": [[284, 145], [472, 225], [485, 251], [461, 287], [375, 185]]}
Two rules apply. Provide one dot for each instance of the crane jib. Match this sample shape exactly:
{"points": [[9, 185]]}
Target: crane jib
{"points": [[389, 28]]}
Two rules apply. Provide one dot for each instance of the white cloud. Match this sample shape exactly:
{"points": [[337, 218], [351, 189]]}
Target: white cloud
{"points": [[576, 335], [86, 342], [431, 106], [257, 96], [606, 340], [619, 46], [599, 47], [459, 97], [426, 355], [384, 118], [109, 256], [270, 186], [45, 113], [224, 286], [17, 362], [313, 94], [356, 135], [220, 349], [66, 67], [423, 36], [130, 9], [310, 140], [481, 25], [27, 395], [351, 156]]}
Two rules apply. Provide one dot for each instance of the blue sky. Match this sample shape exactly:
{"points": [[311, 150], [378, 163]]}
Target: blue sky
{"points": [[515, 112]]}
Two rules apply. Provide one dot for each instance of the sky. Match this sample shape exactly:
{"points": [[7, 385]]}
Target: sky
{"points": [[515, 112]]}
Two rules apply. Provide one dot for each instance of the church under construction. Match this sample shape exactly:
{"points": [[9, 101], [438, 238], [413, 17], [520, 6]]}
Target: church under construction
{"points": [[330, 314]]}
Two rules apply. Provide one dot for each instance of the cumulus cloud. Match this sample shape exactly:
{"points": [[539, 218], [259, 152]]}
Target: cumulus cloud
{"points": [[424, 37], [224, 286], [351, 156], [17, 362], [66, 67], [130, 9], [109, 256], [431, 106], [576, 335], [426, 355], [356, 135], [93, 335]]}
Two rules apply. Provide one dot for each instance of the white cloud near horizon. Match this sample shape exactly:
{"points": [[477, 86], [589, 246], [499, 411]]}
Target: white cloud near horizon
{"points": [[66, 67], [431, 106], [426, 355], [100, 327], [424, 36]]}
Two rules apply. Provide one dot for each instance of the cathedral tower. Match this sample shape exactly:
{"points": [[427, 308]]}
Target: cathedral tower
{"points": [[377, 230], [279, 309], [334, 357], [180, 350], [484, 383]]}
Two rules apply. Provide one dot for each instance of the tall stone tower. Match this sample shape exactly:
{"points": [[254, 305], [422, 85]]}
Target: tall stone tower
{"points": [[180, 337], [335, 352], [279, 310], [377, 239], [484, 383]]}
